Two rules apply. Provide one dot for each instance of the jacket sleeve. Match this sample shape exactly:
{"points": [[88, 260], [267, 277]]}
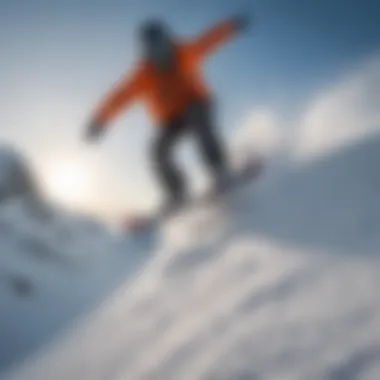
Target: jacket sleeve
{"points": [[119, 98], [214, 38]]}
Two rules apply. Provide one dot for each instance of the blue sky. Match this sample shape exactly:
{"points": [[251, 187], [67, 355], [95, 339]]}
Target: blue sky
{"points": [[59, 57]]}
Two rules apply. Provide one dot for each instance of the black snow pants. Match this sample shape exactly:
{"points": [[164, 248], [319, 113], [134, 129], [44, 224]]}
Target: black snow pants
{"points": [[197, 121]]}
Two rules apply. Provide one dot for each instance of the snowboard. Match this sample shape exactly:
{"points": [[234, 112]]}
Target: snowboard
{"points": [[136, 224]]}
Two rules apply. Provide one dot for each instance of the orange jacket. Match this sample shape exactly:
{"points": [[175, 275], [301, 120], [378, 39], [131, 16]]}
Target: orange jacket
{"points": [[181, 86]]}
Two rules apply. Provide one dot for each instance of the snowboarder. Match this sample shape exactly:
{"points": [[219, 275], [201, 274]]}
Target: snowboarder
{"points": [[168, 80]]}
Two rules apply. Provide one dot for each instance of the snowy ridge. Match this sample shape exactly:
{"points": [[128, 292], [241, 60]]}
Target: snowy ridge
{"points": [[55, 266], [280, 283]]}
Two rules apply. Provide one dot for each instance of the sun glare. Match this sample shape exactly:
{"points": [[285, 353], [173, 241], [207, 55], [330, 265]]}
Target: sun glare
{"points": [[68, 182]]}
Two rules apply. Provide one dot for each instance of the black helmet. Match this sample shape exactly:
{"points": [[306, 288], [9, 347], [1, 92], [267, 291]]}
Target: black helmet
{"points": [[157, 43], [154, 31]]}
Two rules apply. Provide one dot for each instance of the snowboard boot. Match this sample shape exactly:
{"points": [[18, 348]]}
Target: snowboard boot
{"points": [[222, 181], [172, 205]]}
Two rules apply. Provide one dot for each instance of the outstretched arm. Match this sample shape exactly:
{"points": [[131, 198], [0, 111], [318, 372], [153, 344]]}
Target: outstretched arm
{"points": [[113, 104], [218, 35]]}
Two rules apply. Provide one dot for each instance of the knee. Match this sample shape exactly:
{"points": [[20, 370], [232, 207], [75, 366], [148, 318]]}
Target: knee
{"points": [[160, 155]]}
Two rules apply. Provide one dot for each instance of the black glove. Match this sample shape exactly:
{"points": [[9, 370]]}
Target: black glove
{"points": [[242, 22], [94, 131]]}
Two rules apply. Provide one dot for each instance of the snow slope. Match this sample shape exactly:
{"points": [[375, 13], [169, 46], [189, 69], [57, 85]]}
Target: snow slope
{"points": [[279, 283], [54, 266]]}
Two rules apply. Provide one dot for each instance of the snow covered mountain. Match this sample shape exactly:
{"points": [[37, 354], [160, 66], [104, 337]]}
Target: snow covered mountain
{"points": [[280, 282], [54, 266]]}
